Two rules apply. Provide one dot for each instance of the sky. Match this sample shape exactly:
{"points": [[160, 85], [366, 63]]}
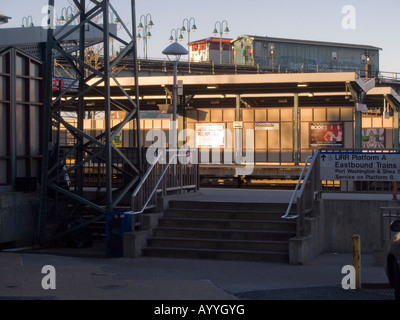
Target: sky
{"points": [[370, 22]]}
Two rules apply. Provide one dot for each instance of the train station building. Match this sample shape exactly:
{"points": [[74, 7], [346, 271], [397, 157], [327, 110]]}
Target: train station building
{"points": [[274, 106]]}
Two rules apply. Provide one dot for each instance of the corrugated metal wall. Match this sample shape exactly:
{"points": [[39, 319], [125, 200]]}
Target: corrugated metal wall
{"points": [[21, 97]]}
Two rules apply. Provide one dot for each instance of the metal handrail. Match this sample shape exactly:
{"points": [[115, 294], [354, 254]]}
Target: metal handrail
{"points": [[286, 216], [137, 190]]}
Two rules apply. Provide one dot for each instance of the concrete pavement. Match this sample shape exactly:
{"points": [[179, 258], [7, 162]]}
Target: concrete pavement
{"points": [[158, 279], [84, 274]]}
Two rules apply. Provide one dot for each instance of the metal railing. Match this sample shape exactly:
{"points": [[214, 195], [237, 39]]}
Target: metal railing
{"points": [[177, 175], [287, 215], [308, 193]]}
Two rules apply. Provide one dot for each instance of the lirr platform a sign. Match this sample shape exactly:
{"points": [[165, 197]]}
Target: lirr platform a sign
{"points": [[359, 166]]}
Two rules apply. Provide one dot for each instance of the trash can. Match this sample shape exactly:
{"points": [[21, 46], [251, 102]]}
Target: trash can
{"points": [[117, 224]]}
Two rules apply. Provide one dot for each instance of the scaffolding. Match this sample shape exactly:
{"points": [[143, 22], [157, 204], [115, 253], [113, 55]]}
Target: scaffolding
{"points": [[88, 152]]}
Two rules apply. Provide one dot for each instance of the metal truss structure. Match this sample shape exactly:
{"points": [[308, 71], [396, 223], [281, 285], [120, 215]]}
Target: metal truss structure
{"points": [[96, 152]]}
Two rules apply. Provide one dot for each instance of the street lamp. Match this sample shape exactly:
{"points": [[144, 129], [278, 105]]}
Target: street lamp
{"points": [[145, 24], [186, 27], [67, 13], [174, 53], [114, 19], [27, 21], [176, 38], [221, 31]]}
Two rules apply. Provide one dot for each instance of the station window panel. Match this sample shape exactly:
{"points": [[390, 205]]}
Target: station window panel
{"points": [[3, 172], [21, 66], [287, 156], [261, 156], [34, 134], [21, 168], [5, 63], [157, 124], [348, 134], [347, 114], [274, 156], [333, 115], [21, 89], [377, 122], [20, 111], [260, 115], [287, 114], [389, 138], [260, 139], [229, 115], [2, 88], [287, 135], [166, 124], [34, 91], [34, 69], [388, 123], [274, 115], [248, 115], [216, 115], [367, 122], [306, 114], [305, 135], [319, 115], [4, 131], [273, 140]]}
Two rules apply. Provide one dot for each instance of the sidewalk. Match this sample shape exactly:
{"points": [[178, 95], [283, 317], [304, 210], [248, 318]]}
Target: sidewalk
{"points": [[181, 279]]}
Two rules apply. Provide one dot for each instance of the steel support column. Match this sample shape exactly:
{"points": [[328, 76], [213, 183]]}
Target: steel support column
{"points": [[296, 129], [396, 119], [396, 130], [98, 152], [238, 134]]}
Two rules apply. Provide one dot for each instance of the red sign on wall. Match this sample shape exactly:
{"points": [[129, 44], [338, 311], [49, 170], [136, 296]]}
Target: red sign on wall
{"points": [[326, 134]]}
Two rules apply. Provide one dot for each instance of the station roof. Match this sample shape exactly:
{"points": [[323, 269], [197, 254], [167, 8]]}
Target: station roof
{"points": [[255, 90], [210, 40]]}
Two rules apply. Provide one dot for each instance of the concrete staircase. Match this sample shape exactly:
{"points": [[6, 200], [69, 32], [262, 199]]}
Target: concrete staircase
{"points": [[225, 231]]}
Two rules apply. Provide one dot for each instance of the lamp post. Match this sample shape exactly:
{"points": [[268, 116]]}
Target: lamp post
{"points": [[176, 38], [187, 26], [174, 53], [67, 13], [273, 57], [221, 31], [27, 21], [114, 19], [145, 24]]}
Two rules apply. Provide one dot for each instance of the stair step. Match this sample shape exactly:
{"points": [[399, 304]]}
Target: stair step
{"points": [[237, 206], [218, 244], [224, 214], [217, 254], [256, 235], [228, 224]]}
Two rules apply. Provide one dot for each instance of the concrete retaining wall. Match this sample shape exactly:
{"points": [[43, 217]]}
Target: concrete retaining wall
{"points": [[18, 216], [339, 220]]}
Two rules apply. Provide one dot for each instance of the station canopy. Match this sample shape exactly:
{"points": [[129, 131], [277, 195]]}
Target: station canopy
{"points": [[255, 90]]}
